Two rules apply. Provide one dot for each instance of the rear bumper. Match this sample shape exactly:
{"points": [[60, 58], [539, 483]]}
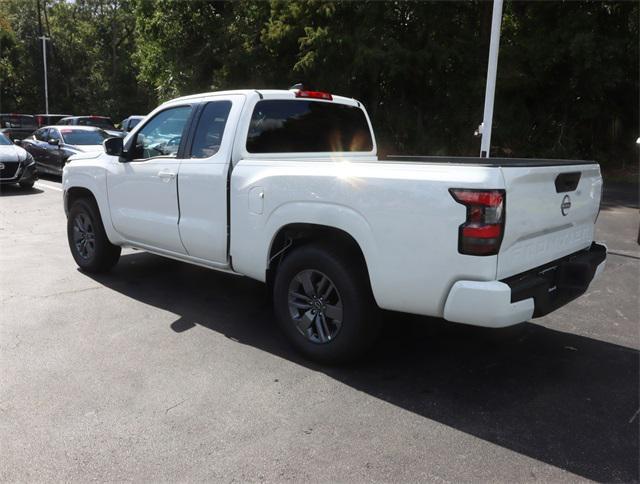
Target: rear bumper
{"points": [[532, 294]]}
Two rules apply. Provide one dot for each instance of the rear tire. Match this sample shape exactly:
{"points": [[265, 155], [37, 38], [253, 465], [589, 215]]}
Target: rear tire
{"points": [[87, 238], [324, 305], [26, 185]]}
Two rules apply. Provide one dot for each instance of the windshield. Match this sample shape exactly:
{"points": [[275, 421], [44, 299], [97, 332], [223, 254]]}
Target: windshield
{"points": [[4, 140], [82, 137], [17, 121], [104, 123]]}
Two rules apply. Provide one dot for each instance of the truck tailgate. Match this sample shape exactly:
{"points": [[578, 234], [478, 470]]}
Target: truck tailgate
{"points": [[550, 213]]}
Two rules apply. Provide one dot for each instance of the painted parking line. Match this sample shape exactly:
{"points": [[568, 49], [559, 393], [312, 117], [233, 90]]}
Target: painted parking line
{"points": [[39, 184]]}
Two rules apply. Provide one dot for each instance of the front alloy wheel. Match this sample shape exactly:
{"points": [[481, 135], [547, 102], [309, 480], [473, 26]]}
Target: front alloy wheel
{"points": [[84, 236], [87, 239]]}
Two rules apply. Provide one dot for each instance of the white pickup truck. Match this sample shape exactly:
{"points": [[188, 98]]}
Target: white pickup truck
{"points": [[285, 187]]}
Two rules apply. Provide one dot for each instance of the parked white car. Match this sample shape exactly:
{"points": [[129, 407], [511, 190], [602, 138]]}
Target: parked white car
{"points": [[285, 187]]}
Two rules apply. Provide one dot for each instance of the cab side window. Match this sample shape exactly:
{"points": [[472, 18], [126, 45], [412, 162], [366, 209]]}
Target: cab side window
{"points": [[53, 134], [162, 135], [41, 134], [208, 136]]}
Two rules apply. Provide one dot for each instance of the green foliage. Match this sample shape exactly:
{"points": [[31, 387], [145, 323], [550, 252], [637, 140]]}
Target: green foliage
{"points": [[567, 75], [89, 58], [178, 44], [572, 86], [17, 83]]}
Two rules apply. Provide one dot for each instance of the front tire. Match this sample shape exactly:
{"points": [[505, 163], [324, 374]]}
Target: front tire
{"points": [[88, 241], [27, 185], [323, 303]]}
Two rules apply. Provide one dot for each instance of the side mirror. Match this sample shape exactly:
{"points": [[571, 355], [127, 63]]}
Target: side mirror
{"points": [[18, 141], [55, 142], [113, 146]]}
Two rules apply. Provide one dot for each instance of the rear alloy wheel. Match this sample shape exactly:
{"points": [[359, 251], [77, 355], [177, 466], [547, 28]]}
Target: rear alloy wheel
{"points": [[323, 303], [88, 241], [315, 306]]}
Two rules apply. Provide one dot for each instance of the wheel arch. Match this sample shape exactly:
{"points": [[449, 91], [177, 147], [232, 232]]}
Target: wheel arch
{"points": [[296, 234], [75, 191]]}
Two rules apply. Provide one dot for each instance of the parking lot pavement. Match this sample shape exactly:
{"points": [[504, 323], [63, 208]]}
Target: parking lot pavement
{"points": [[164, 371]]}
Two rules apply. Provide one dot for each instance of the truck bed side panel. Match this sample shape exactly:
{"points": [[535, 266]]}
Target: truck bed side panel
{"points": [[401, 215]]}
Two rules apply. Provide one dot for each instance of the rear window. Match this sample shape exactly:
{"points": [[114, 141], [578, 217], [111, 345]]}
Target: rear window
{"points": [[82, 137], [104, 123], [18, 121], [288, 126]]}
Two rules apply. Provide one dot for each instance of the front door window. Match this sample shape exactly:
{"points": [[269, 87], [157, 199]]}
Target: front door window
{"points": [[162, 135]]}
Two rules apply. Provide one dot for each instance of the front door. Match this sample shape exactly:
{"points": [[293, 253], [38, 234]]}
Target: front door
{"points": [[55, 155], [143, 193], [39, 148]]}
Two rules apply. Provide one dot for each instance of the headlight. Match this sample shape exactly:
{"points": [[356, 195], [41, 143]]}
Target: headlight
{"points": [[28, 160]]}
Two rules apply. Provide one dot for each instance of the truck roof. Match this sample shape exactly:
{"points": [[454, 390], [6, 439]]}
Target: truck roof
{"points": [[271, 93]]}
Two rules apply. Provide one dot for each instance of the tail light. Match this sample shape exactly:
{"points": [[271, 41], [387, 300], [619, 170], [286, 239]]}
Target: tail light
{"points": [[315, 95], [482, 232]]}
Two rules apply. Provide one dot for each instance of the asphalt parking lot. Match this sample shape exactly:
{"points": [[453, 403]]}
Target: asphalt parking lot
{"points": [[165, 371]]}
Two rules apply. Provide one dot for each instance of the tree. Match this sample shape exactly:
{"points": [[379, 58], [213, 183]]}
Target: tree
{"points": [[19, 75], [567, 75], [89, 57]]}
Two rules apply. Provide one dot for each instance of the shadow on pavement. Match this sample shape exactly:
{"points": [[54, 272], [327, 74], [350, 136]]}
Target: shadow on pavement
{"points": [[560, 398], [50, 177], [15, 190]]}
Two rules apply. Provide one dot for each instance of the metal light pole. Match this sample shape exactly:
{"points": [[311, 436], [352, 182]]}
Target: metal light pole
{"points": [[44, 59], [487, 119]]}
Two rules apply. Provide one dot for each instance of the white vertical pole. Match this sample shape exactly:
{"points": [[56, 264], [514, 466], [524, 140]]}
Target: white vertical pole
{"points": [[489, 95], [46, 87]]}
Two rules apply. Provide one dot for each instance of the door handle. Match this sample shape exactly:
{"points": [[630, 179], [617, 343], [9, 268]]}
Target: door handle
{"points": [[166, 175]]}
